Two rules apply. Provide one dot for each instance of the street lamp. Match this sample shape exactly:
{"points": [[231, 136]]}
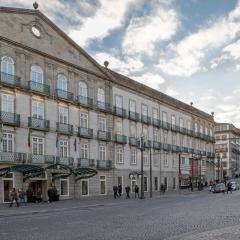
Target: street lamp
{"points": [[141, 145], [218, 159]]}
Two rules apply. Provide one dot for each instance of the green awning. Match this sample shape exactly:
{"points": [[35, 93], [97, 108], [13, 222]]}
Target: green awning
{"points": [[59, 170], [84, 173]]}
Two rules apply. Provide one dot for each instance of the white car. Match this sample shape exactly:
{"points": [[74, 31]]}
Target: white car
{"points": [[235, 186]]}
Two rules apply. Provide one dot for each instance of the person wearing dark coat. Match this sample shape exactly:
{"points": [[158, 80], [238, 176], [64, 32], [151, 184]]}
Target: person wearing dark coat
{"points": [[127, 191], [136, 190], [115, 191], [119, 190], [229, 187]]}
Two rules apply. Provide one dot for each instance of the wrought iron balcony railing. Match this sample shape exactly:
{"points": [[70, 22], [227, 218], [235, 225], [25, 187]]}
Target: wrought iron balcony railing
{"points": [[148, 144], [185, 149], [118, 138], [15, 157], [39, 87], [182, 130], [166, 125], [145, 119], [38, 123], [85, 100], [103, 135], [157, 145], [41, 159], [133, 141], [64, 128], [156, 122], [9, 118], [103, 106], [119, 111], [133, 116], [175, 148], [64, 94], [65, 160], [189, 132], [85, 162], [85, 132], [9, 79], [166, 147], [175, 128], [104, 164]]}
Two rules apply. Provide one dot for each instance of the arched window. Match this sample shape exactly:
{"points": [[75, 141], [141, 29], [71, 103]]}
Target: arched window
{"points": [[62, 82], [7, 65], [100, 95], [83, 90], [36, 74]]}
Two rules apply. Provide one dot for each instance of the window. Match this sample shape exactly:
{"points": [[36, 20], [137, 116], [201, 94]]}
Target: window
{"points": [[133, 184], [188, 125], [63, 148], [133, 156], [183, 160], [84, 119], [62, 82], [84, 151], [119, 101], [102, 124], [201, 129], [155, 113], [101, 95], [181, 123], [155, 135], [156, 157], [173, 120], [119, 127], [174, 138], [103, 185], [102, 152], [37, 146], [37, 109], [145, 184], [7, 65], [133, 130], [132, 106], [165, 160], [145, 132], [119, 155], [164, 117], [63, 115], [210, 132], [83, 90], [144, 110], [196, 127], [8, 142], [165, 136], [7, 103], [156, 183], [174, 183], [64, 187], [85, 187], [206, 131], [174, 161], [145, 158], [36, 74]]}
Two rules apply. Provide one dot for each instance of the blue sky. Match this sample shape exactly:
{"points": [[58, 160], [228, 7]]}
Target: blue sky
{"points": [[188, 49]]}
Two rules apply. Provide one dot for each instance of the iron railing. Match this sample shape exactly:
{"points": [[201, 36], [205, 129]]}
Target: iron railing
{"points": [[39, 87], [64, 94], [10, 118], [38, 123], [9, 79], [64, 128], [103, 135], [85, 132]]}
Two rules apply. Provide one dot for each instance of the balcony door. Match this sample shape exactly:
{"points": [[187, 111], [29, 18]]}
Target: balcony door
{"points": [[63, 115], [7, 103], [37, 109]]}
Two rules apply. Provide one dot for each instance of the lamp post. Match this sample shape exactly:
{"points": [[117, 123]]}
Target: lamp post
{"points": [[179, 171], [218, 160], [150, 172], [141, 146]]}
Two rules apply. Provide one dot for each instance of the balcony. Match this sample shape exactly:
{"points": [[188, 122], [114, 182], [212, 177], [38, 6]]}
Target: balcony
{"points": [[42, 159], [174, 128], [145, 119], [38, 124], [10, 80], [39, 87], [189, 132], [85, 162], [9, 118], [191, 150], [85, 132], [133, 116], [175, 148], [103, 106], [156, 122], [185, 149], [148, 144], [182, 130], [104, 164], [64, 128], [120, 139], [157, 145], [166, 147], [13, 157], [120, 112], [166, 125], [62, 94], [65, 160], [133, 141], [103, 135], [203, 153], [85, 100]]}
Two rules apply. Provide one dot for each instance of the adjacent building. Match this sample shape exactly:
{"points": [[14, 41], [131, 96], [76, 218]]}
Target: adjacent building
{"points": [[64, 116], [227, 148]]}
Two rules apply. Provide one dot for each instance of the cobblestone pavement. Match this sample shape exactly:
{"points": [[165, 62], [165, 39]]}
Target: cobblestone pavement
{"points": [[184, 217]]}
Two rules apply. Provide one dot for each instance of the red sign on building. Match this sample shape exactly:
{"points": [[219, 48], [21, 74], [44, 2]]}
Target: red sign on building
{"points": [[194, 167]]}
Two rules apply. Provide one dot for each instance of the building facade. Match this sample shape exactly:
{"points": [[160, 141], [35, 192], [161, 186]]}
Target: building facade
{"points": [[60, 107], [227, 148]]}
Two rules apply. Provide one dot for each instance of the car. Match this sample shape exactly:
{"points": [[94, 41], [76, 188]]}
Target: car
{"points": [[235, 186], [219, 188]]}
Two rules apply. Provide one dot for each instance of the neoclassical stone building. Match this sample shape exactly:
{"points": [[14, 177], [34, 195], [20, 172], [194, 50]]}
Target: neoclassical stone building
{"points": [[63, 115]]}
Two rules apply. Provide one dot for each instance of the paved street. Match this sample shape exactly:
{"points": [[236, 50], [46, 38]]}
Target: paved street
{"points": [[186, 216]]}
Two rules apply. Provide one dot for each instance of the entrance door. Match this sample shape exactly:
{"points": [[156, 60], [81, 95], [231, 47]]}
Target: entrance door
{"points": [[8, 186], [133, 184]]}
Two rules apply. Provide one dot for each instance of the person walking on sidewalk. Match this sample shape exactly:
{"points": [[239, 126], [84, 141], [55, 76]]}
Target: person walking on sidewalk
{"points": [[127, 191], [14, 197], [119, 190], [162, 188], [115, 191], [136, 190], [229, 187], [22, 196]]}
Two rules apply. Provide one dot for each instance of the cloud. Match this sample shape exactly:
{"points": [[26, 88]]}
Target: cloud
{"points": [[186, 57], [142, 34], [171, 92], [208, 98], [125, 66], [227, 98], [226, 107]]}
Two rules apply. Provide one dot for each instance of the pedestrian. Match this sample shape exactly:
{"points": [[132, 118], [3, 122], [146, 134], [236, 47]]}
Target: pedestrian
{"points": [[50, 194], [39, 195], [229, 187], [191, 186], [14, 197], [115, 191], [22, 196], [162, 188], [119, 190], [127, 191], [136, 190]]}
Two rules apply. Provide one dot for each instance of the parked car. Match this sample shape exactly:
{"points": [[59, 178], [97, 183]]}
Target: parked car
{"points": [[219, 188], [235, 186]]}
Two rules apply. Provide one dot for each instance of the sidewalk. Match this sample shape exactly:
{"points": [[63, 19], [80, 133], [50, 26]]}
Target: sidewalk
{"points": [[85, 203]]}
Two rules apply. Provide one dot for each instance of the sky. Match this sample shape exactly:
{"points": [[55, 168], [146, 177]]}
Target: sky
{"points": [[188, 49]]}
